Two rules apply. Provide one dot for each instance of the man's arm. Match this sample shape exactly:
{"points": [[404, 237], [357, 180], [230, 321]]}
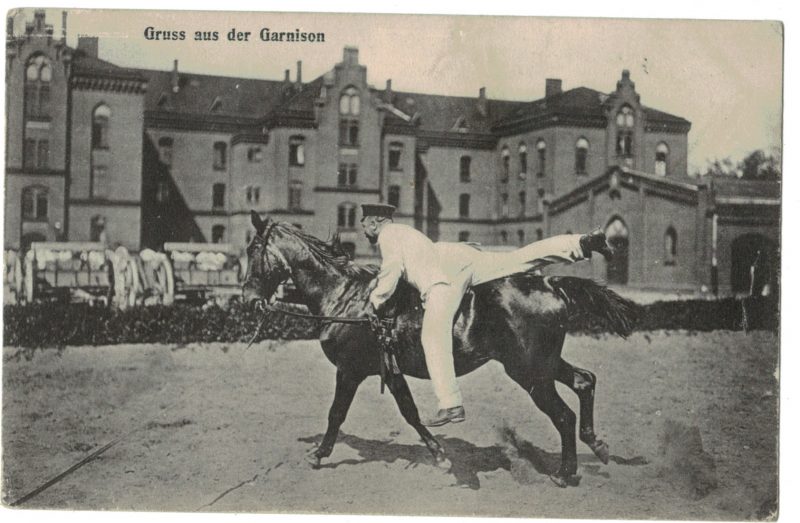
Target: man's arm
{"points": [[389, 275]]}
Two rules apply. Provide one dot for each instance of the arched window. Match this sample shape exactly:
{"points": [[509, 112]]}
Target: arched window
{"points": [[220, 155], [97, 229], [523, 202], [505, 156], [218, 196], [350, 102], [37, 87], [395, 156], [464, 167], [346, 216], [297, 151], [36, 153], [523, 161], [34, 203], [662, 152], [218, 234], [581, 153], [541, 153], [165, 150], [618, 236], [463, 206], [670, 246], [625, 124], [349, 109], [463, 236], [100, 120]]}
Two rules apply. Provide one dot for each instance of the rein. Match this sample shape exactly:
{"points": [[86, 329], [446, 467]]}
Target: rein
{"points": [[332, 319]]}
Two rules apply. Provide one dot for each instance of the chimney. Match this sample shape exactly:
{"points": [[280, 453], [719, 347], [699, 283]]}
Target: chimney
{"points": [[38, 20], [552, 86], [89, 45], [64, 25], [286, 79], [351, 55], [388, 94], [299, 79], [175, 86], [483, 106]]}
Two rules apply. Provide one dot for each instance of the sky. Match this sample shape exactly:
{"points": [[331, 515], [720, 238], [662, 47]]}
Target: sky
{"points": [[723, 76]]}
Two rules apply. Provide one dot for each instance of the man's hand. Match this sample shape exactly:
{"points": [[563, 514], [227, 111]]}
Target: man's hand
{"points": [[373, 317]]}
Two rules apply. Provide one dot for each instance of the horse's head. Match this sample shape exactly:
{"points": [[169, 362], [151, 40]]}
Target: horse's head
{"points": [[267, 267]]}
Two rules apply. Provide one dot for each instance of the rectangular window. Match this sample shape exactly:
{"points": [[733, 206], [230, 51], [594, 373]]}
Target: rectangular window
{"points": [[463, 236], [463, 206], [99, 181], [394, 195], [348, 174], [218, 196], [27, 204], [395, 155], [504, 205], [254, 154], [297, 153], [41, 205], [165, 150], [218, 234], [464, 169], [42, 154], [162, 192], [30, 153], [220, 155], [542, 153], [348, 132], [295, 196], [523, 202]]}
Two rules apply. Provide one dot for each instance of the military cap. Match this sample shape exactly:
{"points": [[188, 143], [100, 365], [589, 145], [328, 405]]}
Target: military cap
{"points": [[381, 210]]}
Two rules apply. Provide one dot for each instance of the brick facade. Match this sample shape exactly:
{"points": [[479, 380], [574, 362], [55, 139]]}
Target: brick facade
{"points": [[185, 157]]}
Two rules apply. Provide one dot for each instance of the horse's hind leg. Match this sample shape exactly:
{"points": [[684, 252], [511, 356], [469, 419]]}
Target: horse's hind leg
{"points": [[582, 382], [405, 401], [346, 387], [544, 394]]}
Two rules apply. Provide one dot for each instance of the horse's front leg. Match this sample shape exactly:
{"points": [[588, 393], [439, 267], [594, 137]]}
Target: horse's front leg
{"points": [[346, 387], [405, 401]]}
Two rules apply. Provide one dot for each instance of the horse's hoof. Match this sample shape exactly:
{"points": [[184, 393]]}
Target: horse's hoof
{"points": [[600, 449], [313, 459], [443, 463], [572, 480]]}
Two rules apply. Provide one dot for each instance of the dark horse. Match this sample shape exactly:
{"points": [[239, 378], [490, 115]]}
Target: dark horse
{"points": [[518, 321]]}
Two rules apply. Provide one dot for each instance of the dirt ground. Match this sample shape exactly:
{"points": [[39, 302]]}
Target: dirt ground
{"points": [[217, 428]]}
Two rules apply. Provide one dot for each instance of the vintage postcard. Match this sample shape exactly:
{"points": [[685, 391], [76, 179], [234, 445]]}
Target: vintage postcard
{"points": [[392, 264]]}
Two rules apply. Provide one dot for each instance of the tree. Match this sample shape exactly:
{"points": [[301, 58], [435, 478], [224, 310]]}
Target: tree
{"points": [[755, 166]]}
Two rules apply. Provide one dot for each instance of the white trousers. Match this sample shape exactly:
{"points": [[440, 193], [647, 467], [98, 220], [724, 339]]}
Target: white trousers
{"points": [[443, 300]]}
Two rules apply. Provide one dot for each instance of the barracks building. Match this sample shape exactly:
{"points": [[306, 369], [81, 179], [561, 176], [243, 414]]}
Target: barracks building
{"points": [[139, 157]]}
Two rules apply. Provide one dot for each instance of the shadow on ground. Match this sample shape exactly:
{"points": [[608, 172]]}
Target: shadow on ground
{"points": [[468, 459]]}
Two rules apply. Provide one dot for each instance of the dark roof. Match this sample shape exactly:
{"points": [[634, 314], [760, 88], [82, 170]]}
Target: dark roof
{"points": [[83, 63], [197, 94], [440, 112], [728, 187]]}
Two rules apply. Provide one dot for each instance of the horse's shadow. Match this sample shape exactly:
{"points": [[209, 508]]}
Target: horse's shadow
{"points": [[467, 459]]}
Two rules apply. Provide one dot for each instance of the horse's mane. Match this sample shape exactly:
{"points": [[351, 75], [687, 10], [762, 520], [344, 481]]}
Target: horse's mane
{"points": [[331, 253]]}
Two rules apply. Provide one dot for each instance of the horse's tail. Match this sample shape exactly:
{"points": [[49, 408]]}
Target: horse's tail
{"points": [[582, 296]]}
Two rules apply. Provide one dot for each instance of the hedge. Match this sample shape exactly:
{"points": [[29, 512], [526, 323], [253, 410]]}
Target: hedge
{"points": [[57, 325]]}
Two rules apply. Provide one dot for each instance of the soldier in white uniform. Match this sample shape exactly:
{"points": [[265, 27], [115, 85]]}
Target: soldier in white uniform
{"points": [[442, 279]]}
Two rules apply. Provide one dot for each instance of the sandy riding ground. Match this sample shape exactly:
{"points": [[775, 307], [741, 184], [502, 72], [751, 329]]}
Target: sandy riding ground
{"points": [[213, 427]]}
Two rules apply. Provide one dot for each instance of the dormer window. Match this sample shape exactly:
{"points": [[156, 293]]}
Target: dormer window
{"points": [[216, 105]]}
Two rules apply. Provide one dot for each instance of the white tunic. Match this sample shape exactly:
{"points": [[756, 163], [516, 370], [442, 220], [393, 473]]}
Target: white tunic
{"points": [[408, 254]]}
